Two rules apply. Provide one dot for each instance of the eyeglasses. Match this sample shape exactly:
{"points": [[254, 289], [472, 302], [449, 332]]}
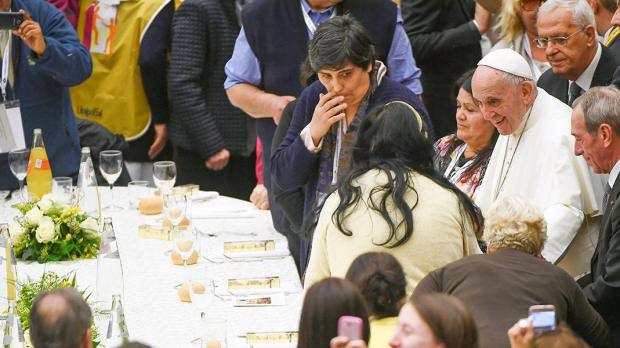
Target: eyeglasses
{"points": [[543, 42], [531, 5]]}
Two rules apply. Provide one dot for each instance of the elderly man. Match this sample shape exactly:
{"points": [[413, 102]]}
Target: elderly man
{"points": [[534, 157], [596, 127], [47, 58], [578, 61], [60, 318], [499, 287]]}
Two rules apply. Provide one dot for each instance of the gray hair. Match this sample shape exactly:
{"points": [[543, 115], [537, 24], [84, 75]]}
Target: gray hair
{"points": [[515, 223], [600, 105], [338, 42], [580, 10], [61, 324], [514, 80]]}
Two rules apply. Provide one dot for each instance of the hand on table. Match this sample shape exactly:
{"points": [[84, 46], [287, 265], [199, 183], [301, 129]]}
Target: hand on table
{"points": [[259, 197], [31, 34], [218, 161]]}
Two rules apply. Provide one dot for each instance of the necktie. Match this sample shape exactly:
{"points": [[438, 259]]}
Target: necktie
{"points": [[606, 197], [573, 92]]}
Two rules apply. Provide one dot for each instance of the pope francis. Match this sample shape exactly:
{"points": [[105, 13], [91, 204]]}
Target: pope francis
{"points": [[533, 158]]}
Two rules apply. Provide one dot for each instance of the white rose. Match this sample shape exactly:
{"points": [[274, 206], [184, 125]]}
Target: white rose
{"points": [[45, 204], [34, 216], [46, 230], [16, 231], [91, 227]]}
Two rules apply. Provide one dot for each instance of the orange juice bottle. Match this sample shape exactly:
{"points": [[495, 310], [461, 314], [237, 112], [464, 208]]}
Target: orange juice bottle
{"points": [[39, 175]]}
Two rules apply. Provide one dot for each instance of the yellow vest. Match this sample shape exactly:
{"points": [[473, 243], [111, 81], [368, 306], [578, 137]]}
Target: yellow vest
{"points": [[114, 95]]}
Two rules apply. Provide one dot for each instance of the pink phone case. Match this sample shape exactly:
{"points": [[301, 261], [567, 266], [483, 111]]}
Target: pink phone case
{"points": [[351, 327]]}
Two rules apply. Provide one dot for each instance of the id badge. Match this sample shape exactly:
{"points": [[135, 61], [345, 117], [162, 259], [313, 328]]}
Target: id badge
{"points": [[104, 27], [11, 128]]}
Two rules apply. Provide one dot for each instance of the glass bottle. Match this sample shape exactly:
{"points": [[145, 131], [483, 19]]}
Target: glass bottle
{"points": [[109, 267], [117, 333], [88, 198], [13, 335], [39, 175]]}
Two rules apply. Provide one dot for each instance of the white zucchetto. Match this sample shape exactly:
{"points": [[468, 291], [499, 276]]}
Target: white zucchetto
{"points": [[509, 61]]}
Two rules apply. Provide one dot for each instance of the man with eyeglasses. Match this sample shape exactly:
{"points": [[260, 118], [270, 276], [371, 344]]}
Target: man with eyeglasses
{"points": [[578, 61]]}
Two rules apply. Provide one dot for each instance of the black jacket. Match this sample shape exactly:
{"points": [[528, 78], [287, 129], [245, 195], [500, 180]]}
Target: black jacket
{"points": [[557, 85], [445, 43]]}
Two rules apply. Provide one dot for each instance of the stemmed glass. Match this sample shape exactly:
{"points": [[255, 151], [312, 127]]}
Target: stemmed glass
{"points": [[18, 161], [111, 166], [164, 176], [184, 240]]}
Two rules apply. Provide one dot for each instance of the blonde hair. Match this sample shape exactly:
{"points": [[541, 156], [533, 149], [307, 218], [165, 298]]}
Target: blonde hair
{"points": [[509, 21], [515, 223]]}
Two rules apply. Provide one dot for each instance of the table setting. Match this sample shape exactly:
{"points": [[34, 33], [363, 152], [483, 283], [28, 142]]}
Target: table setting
{"points": [[202, 270]]}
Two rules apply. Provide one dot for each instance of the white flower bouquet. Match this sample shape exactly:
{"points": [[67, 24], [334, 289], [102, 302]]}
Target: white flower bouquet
{"points": [[50, 231]]}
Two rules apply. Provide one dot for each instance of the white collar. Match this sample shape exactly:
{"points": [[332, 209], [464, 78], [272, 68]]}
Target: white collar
{"points": [[613, 174], [585, 79]]}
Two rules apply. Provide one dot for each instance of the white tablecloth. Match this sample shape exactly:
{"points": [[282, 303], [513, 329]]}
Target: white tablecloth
{"points": [[153, 312]]}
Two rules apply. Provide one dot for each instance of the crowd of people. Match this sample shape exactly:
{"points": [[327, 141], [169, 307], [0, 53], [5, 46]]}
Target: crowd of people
{"points": [[437, 167]]}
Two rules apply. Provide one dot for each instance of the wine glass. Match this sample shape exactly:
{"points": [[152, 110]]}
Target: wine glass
{"points": [[111, 166], [175, 208], [164, 176], [18, 161]]}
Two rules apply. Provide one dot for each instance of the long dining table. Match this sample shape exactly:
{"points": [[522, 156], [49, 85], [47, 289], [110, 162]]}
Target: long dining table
{"points": [[153, 312]]}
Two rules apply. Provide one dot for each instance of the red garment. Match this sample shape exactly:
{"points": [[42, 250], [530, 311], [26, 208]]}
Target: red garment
{"points": [[70, 8], [259, 161]]}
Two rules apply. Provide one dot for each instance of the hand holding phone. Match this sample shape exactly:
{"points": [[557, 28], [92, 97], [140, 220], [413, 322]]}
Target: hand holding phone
{"points": [[351, 327], [543, 318], [10, 20]]}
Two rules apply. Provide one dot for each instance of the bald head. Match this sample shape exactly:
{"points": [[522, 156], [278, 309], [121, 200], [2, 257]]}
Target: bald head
{"points": [[60, 319]]}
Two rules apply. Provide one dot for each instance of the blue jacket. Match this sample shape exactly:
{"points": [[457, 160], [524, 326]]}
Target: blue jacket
{"points": [[42, 86], [294, 166]]}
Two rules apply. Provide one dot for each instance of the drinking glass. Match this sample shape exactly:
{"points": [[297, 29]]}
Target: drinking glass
{"points": [[164, 176], [213, 333], [18, 162], [201, 290], [111, 166], [62, 188], [137, 190]]}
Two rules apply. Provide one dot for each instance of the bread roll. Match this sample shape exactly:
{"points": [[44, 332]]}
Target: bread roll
{"points": [[178, 260], [184, 222], [183, 291], [151, 205]]}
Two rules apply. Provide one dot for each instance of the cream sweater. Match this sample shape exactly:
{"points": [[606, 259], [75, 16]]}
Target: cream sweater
{"points": [[438, 236]]}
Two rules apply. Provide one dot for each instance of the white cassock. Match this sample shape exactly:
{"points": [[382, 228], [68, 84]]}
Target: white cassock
{"points": [[537, 162]]}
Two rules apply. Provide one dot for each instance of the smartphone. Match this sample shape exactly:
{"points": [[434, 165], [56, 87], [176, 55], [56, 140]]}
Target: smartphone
{"points": [[543, 318], [10, 20], [351, 327]]}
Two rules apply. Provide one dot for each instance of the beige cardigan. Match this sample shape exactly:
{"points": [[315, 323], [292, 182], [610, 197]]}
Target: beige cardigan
{"points": [[438, 237]]}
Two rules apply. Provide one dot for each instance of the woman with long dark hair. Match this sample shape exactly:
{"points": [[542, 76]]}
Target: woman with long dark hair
{"points": [[393, 200]]}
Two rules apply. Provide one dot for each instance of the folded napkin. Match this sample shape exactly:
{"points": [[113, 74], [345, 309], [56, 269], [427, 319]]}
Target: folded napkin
{"points": [[202, 196], [215, 212], [278, 253]]}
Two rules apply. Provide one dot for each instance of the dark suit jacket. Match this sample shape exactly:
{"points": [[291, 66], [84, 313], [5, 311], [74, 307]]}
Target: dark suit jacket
{"points": [[445, 44], [616, 79], [557, 85], [499, 288], [604, 290], [615, 47]]}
